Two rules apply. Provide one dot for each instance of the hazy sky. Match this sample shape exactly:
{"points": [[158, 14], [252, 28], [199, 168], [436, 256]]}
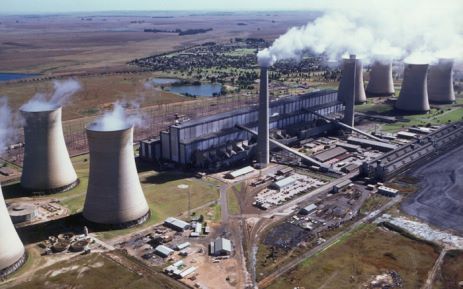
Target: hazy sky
{"points": [[52, 6]]}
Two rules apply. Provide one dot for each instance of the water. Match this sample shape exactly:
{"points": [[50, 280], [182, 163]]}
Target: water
{"points": [[163, 81], [206, 90], [14, 76]]}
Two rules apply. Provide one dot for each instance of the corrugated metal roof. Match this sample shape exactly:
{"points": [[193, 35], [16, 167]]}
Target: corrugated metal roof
{"points": [[284, 182], [222, 244], [242, 171], [164, 250], [330, 154]]}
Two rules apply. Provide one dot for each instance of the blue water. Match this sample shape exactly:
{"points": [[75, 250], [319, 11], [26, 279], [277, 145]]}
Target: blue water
{"points": [[163, 81], [206, 90], [14, 76]]}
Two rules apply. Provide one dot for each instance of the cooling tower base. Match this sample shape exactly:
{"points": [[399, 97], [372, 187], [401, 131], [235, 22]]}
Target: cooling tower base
{"points": [[441, 102], [55, 190], [120, 226], [378, 94], [408, 112], [13, 268]]}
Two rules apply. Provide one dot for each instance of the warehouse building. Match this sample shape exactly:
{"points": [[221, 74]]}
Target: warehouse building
{"points": [[330, 154], [215, 141], [163, 251], [220, 247], [176, 224]]}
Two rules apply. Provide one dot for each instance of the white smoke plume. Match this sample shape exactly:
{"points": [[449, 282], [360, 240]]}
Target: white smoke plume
{"points": [[7, 131], [118, 118], [62, 93], [416, 31]]}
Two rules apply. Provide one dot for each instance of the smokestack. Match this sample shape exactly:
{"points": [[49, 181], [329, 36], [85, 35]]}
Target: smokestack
{"points": [[47, 167], [347, 89], [440, 82], [114, 197], [263, 147], [381, 82], [414, 92], [352, 80], [12, 252]]}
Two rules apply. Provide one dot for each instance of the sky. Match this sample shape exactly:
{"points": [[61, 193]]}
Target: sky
{"points": [[57, 6]]}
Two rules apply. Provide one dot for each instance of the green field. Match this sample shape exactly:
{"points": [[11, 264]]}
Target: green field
{"points": [[161, 190], [355, 259], [92, 271], [233, 204]]}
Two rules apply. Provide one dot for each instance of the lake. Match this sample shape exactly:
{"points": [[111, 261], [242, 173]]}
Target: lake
{"points": [[14, 76], [206, 90]]}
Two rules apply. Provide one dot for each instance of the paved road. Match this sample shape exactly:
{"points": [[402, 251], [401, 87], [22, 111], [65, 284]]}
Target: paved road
{"points": [[331, 241]]}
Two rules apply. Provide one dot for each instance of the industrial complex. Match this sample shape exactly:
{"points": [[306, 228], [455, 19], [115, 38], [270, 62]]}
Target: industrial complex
{"points": [[242, 197]]}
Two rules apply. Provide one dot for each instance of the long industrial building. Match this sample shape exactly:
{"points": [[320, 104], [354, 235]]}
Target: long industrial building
{"points": [[215, 141], [402, 158]]}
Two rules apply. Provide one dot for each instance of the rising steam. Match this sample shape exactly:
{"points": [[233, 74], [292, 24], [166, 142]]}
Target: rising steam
{"points": [[417, 31], [63, 91], [117, 119], [7, 132]]}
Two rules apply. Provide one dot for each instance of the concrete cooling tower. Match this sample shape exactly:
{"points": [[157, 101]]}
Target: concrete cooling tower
{"points": [[381, 82], [263, 149], [47, 167], [414, 92], [352, 80], [114, 197], [12, 252], [440, 82]]}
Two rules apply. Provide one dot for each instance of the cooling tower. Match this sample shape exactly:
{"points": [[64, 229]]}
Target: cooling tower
{"points": [[381, 82], [114, 197], [12, 252], [47, 167], [440, 82], [352, 80], [414, 92], [263, 129]]}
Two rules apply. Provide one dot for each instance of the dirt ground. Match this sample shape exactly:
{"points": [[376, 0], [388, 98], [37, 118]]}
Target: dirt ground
{"points": [[439, 199], [356, 259], [106, 42], [451, 271]]}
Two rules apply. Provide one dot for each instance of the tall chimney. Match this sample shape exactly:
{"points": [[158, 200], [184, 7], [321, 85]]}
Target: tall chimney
{"points": [[381, 82], [263, 147], [440, 82], [47, 167], [114, 197], [352, 80], [12, 252], [413, 95], [347, 89]]}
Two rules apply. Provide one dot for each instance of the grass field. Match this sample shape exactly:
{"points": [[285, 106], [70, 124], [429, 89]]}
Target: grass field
{"points": [[97, 93], [355, 259], [233, 204], [451, 272], [161, 191], [91, 271]]}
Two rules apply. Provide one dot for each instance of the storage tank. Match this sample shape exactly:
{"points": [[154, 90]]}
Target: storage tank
{"points": [[12, 252], [352, 80], [413, 95], [381, 82], [47, 167], [263, 147], [440, 82], [114, 197]]}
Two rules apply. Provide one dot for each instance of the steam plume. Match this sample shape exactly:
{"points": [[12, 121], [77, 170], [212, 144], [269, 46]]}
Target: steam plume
{"points": [[417, 31], [63, 91], [7, 132], [117, 119]]}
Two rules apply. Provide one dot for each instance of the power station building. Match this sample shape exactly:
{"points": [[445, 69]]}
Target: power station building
{"points": [[216, 141], [12, 252], [115, 197], [47, 167]]}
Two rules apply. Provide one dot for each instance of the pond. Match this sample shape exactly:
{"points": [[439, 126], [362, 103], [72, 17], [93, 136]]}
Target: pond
{"points": [[14, 76], [206, 90]]}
